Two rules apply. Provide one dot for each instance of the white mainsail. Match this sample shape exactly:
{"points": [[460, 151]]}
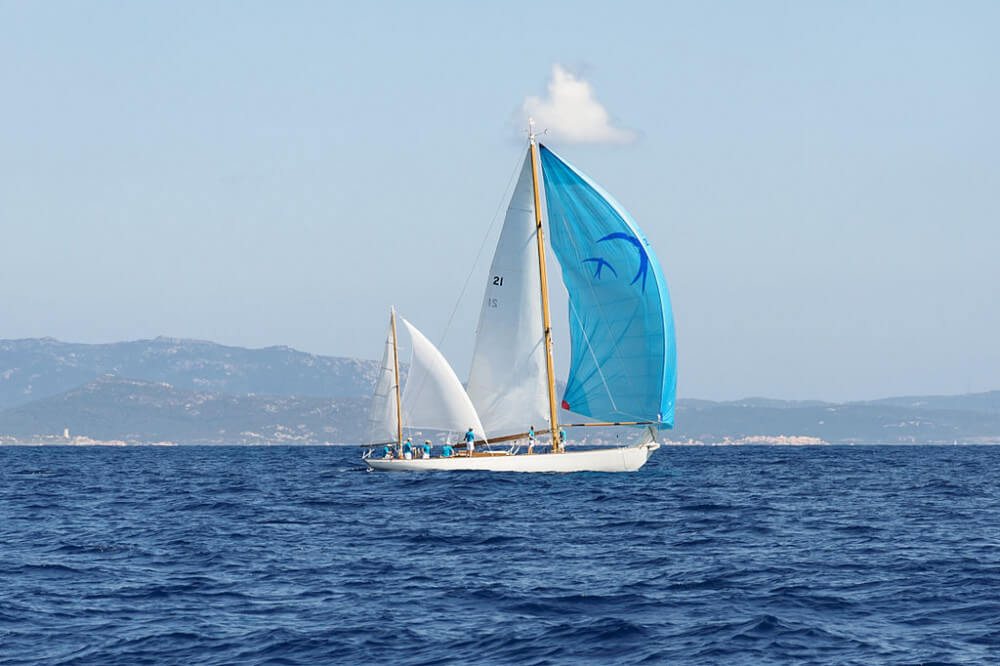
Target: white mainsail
{"points": [[382, 426], [433, 397], [507, 381]]}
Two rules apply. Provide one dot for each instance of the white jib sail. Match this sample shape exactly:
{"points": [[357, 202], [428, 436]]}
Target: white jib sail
{"points": [[507, 380], [433, 397], [382, 410]]}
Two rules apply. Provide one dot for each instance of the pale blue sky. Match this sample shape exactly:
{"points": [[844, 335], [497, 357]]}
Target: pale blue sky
{"points": [[820, 181]]}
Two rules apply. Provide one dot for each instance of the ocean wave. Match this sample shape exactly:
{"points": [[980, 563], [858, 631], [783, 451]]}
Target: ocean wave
{"points": [[748, 555]]}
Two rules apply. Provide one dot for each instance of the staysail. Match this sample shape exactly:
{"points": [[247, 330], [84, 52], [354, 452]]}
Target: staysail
{"points": [[621, 326], [507, 380], [382, 427], [433, 397]]}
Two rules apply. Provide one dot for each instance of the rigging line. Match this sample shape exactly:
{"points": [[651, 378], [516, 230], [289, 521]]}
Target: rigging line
{"points": [[479, 253], [475, 263], [482, 245], [590, 347]]}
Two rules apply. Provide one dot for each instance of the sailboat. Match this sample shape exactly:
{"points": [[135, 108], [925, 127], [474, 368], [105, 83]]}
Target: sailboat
{"points": [[623, 355]]}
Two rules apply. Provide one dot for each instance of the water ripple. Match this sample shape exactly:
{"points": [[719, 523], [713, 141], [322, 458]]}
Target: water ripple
{"points": [[740, 555]]}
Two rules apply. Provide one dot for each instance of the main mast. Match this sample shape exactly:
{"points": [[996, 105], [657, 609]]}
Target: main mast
{"points": [[546, 319], [395, 369]]}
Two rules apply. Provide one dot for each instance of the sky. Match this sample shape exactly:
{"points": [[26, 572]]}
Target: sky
{"points": [[819, 180]]}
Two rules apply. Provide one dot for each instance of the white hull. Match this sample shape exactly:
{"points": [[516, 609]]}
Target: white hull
{"points": [[621, 459]]}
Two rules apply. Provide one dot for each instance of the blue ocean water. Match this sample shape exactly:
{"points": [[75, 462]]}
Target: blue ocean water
{"points": [[737, 555]]}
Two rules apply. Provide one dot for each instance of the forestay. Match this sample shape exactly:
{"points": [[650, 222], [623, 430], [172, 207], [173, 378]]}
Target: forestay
{"points": [[621, 325], [433, 397], [382, 425], [507, 380]]}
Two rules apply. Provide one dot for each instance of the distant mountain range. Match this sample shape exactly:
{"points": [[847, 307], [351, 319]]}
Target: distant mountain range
{"points": [[41, 367], [192, 391]]}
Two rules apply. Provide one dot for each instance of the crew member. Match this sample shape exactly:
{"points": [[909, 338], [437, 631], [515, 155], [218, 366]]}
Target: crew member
{"points": [[470, 441], [447, 451], [531, 438], [426, 448], [408, 448]]}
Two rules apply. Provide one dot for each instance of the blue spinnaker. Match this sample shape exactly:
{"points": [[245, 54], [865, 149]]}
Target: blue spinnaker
{"points": [[624, 361]]}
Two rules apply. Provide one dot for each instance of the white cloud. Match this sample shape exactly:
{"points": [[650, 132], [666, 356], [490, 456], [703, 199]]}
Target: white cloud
{"points": [[570, 112]]}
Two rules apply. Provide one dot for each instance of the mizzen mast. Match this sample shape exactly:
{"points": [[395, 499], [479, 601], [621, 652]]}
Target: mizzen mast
{"points": [[395, 369], [546, 318]]}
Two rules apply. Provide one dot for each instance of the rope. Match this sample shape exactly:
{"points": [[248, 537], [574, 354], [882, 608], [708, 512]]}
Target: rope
{"points": [[475, 263], [482, 245]]}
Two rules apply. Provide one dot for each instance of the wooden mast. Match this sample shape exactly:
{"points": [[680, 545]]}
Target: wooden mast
{"points": [[395, 369], [546, 319]]}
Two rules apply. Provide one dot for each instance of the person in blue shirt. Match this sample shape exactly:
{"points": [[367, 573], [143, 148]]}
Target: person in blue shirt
{"points": [[426, 448], [408, 448], [447, 451], [562, 437], [387, 451], [470, 441], [531, 438]]}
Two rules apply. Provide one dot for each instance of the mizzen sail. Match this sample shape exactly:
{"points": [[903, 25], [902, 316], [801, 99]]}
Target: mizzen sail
{"points": [[382, 426]]}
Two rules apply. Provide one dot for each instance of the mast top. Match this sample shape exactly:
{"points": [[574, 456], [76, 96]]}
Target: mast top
{"points": [[531, 130]]}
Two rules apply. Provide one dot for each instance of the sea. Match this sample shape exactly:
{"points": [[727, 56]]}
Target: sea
{"points": [[297, 555]]}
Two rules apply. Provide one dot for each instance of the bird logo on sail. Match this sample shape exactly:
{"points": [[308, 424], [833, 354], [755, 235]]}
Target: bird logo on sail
{"points": [[603, 263]]}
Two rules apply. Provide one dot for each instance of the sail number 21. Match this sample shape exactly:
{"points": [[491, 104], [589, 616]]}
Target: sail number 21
{"points": [[497, 281]]}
